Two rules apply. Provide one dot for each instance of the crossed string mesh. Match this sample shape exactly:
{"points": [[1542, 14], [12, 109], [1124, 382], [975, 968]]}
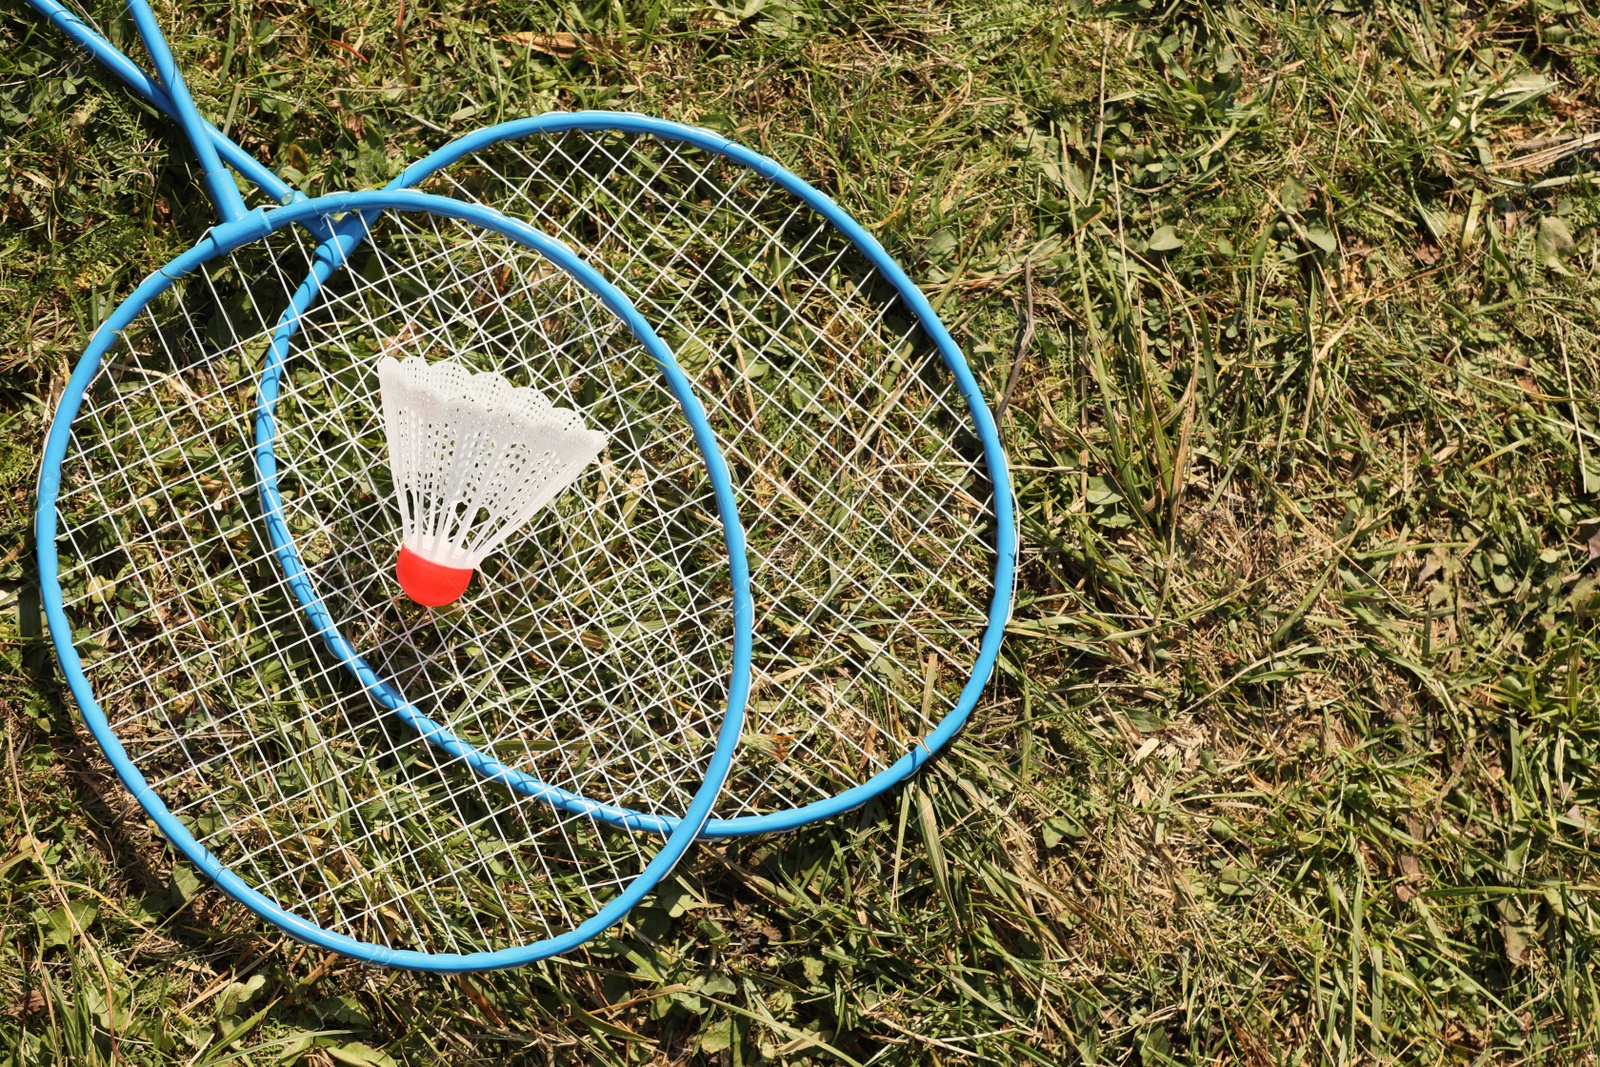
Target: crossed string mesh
{"points": [[858, 470], [596, 640]]}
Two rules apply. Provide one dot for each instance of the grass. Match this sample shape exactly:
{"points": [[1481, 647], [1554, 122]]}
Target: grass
{"points": [[1292, 754]]}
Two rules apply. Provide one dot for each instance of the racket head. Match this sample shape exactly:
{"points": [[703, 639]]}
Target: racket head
{"points": [[171, 650], [701, 210]]}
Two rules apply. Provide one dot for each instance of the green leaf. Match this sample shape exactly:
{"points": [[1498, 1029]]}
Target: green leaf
{"points": [[717, 1036], [238, 994], [1060, 827], [1319, 236], [58, 926], [1554, 241], [689, 1003], [296, 1045], [186, 884], [1524, 87], [358, 1054], [115, 1013], [677, 898], [941, 246], [1516, 936], [1165, 239], [1146, 719], [1234, 881], [342, 1009], [693, 354], [1100, 492], [1155, 1047], [1293, 194], [715, 985]]}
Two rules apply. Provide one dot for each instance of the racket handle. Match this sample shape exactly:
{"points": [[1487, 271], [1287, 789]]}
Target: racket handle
{"points": [[219, 181], [123, 67]]}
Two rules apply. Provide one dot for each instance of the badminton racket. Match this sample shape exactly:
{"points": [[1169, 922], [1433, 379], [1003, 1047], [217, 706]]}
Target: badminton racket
{"points": [[882, 535], [167, 496]]}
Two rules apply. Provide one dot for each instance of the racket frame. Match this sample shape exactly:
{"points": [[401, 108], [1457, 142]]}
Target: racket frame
{"points": [[228, 237]]}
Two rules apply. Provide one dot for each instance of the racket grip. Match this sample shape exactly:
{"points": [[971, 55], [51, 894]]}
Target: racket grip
{"points": [[219, 181]]}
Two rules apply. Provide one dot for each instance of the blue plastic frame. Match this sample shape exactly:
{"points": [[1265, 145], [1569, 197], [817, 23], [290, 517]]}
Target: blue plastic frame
{"points": [[226, 238], [955, 362], [1007, 537]]}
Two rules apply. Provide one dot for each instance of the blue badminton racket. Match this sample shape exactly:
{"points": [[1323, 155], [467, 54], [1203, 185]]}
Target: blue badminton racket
{"points": [[214, 478], [882, 534]]}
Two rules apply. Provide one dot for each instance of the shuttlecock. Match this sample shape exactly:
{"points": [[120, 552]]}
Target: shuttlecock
{"points": [[473, 457]]}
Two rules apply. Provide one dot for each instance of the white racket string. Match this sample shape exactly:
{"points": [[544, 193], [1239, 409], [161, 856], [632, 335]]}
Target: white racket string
{"points": [[600, 629], [860, 477]]}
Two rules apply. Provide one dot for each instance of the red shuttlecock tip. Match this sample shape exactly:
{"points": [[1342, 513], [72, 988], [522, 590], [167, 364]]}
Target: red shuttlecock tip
{"points": [[430, 584]]}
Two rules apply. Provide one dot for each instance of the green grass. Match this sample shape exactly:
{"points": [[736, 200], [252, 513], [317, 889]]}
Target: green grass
{"points": [[1294, 750]]}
